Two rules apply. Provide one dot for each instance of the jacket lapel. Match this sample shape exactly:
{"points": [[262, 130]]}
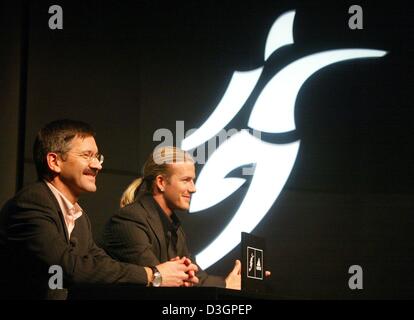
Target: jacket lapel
{"points": [[58, 209], [182, 249], [155, 224]]}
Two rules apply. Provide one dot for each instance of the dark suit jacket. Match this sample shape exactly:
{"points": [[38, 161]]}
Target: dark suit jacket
{"points": [[136, 235], [33, 236]]}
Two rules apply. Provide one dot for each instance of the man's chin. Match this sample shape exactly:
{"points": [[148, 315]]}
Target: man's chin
{"points": [[90, 188], [185, 207]]}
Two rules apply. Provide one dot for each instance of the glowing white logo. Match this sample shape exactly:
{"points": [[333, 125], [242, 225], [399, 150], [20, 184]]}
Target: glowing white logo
{"points": [[273, 112]]}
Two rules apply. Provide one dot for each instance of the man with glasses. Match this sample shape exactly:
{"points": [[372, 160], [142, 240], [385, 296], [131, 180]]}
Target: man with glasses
{"points": [[43, 226]]}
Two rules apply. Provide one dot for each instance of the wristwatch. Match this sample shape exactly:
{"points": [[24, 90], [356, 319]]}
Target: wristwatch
{"points": [[156, 278]]}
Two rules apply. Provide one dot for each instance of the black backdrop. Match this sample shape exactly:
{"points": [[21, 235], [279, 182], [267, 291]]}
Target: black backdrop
{"points": [[132, 67]]}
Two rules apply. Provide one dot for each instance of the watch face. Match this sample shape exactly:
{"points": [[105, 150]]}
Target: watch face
{"points": [[157, 279]]}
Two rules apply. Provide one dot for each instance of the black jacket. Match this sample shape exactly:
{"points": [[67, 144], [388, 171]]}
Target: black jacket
{"points": [[33, 237], [136, 235]]}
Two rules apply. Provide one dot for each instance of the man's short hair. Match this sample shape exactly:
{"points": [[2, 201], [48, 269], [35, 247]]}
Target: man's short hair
{"points": [[56, 137]]}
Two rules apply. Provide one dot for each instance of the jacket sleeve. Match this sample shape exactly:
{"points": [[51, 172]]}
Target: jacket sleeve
{"points": [[128, 240], [33, 233], [206, 280]]}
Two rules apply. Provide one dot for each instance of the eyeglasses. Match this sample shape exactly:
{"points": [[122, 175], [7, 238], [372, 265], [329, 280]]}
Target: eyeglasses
{"points": [[90, 157]]}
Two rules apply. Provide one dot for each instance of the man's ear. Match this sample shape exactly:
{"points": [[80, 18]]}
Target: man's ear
{"points": [[160, 183], [53, 162]]}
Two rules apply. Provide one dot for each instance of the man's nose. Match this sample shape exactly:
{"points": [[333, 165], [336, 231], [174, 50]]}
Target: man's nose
{"points": [[95, 164], [192, 187]]}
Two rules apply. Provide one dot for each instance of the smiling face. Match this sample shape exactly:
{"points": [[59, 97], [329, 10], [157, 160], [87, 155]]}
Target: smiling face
{"points": [[76, 173], [179, 185]]}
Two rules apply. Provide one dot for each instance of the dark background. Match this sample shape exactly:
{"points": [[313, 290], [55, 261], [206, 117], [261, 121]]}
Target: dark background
{"points": [[132, 67]]}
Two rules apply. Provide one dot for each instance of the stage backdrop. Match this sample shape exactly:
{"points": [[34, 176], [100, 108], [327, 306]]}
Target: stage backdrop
{"points": [[131, 68]]}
